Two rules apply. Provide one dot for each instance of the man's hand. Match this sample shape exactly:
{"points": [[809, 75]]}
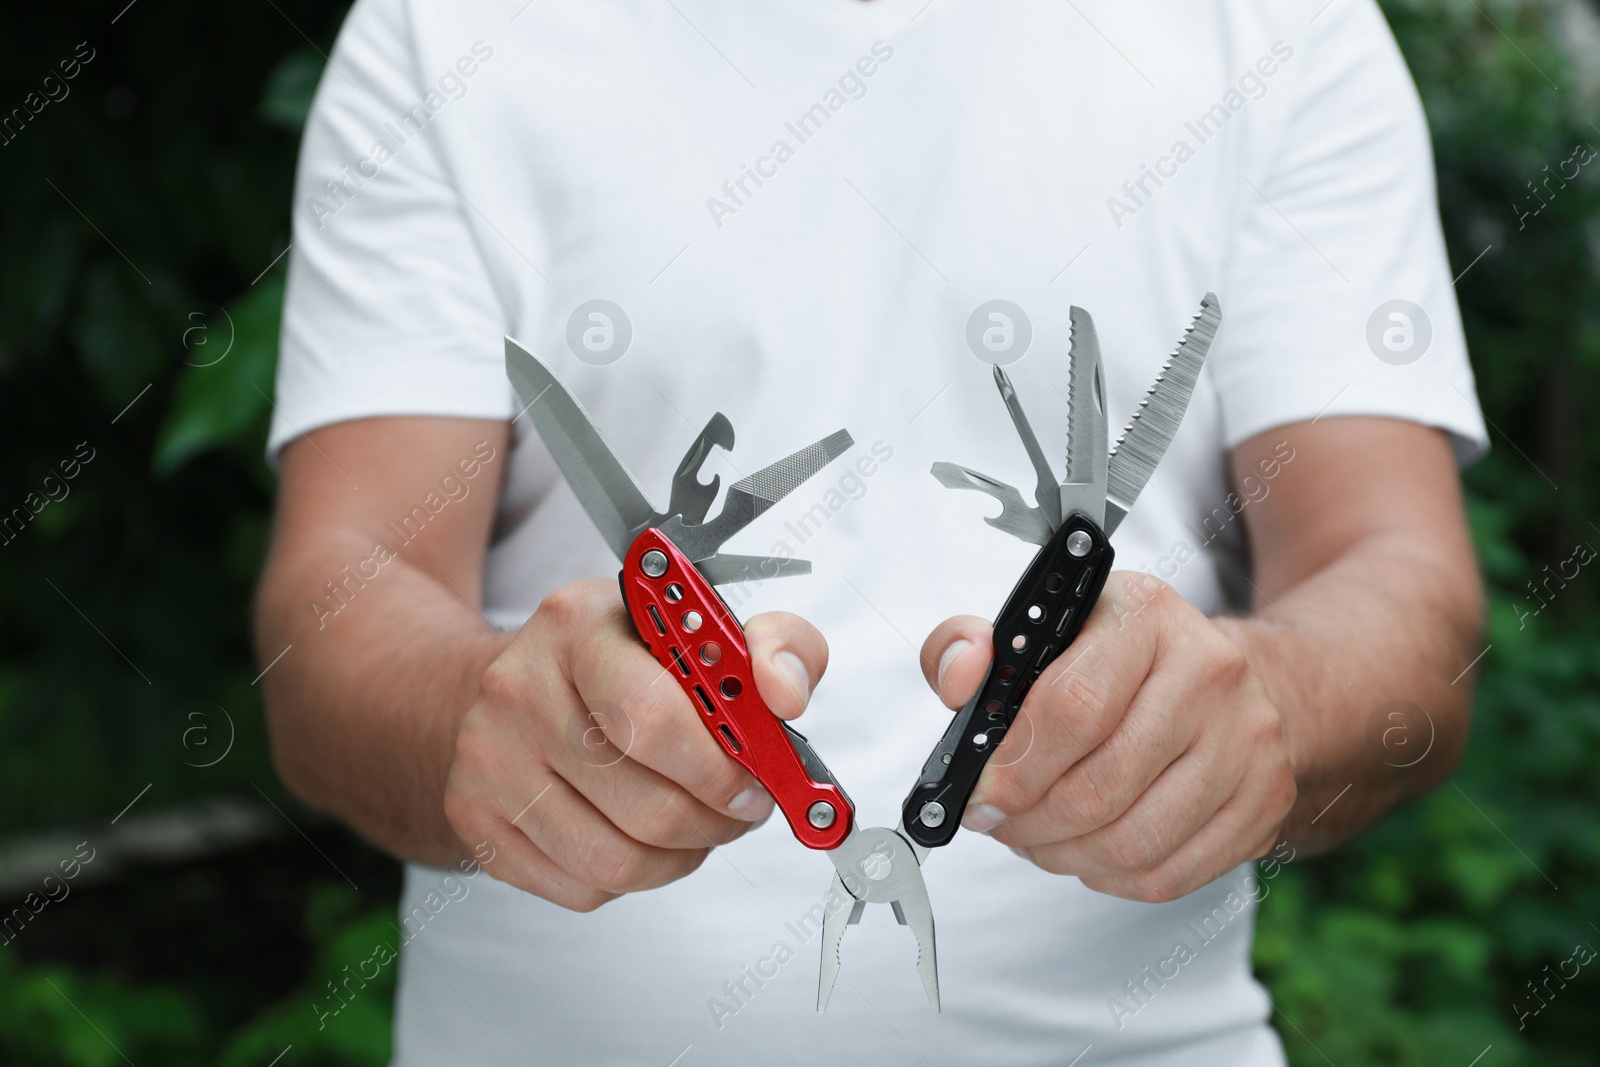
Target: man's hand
{"points": [[1147, 760], [586, 767], [1163, 748], [395, 706]]}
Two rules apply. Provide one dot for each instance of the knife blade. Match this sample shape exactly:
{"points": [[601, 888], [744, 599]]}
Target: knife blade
{"points": [[1084, 488], [1141, 446], [605, 487]]}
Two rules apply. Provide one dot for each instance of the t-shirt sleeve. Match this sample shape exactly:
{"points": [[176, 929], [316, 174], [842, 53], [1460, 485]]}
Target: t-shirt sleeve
{"points": [[388, 309], [1339, 294]]}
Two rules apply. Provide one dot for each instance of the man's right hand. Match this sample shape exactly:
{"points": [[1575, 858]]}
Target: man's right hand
{"points": [[585, 766], [393, 705]]}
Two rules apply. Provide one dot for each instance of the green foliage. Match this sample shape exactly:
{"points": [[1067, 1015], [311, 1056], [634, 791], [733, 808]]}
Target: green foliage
{"points": [[289, 90], [138, 325], [60, 1015], [1416, 943], [46, 1008], [223, 396], [338, 1017], [138, 315]]}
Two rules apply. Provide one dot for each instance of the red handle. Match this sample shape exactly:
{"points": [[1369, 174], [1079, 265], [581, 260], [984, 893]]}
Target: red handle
{"points": [[699, 642]]}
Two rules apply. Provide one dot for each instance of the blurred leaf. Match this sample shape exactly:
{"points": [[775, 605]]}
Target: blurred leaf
{"points": [[290, 89], [222, 398], [117, 337]]}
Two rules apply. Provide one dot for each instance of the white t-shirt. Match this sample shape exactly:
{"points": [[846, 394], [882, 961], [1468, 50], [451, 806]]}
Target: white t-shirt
{"points": [[798, 205]]}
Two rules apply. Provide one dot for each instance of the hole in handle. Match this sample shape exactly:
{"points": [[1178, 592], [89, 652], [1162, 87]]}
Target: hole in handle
{"points": [[1066, 619]]}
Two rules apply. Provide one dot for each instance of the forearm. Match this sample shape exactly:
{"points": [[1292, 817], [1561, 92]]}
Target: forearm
{"points": [[363, 708], [1390, 619]]}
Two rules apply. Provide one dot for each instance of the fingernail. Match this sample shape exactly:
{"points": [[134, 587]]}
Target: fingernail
{"points": [[949, 657], [982, 818], [1023, 853], [752, 805], [795, 671]]}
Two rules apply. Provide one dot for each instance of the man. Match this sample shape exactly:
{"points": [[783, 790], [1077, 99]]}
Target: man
{"points": [[789, 212]]}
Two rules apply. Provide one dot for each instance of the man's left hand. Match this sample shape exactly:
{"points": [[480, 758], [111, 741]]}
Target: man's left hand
{"points": [[1147, 760]]}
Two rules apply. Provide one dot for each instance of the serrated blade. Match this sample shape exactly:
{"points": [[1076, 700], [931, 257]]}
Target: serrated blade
{"points": [[1150, 431], [1047, 492], [1084, 488], [606, 489], [751, 496]]}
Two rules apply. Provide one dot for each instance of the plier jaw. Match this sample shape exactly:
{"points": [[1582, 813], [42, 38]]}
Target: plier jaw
{"points": [[877, 866]]}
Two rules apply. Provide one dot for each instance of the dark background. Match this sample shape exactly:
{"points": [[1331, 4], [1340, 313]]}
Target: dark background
{"points": [[142, 217]]}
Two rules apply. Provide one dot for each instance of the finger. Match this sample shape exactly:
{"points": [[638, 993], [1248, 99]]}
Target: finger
{"points": [[1073, 708], [642, 803], [1184, 799], [581, 841], [788, 656], [955, 657], [518, 861], [482, 807], [1100, 788], [1243, 829], [642, 711]]}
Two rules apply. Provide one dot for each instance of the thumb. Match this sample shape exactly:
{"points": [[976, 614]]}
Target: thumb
{"points": [[788, 656], [955, 656]]}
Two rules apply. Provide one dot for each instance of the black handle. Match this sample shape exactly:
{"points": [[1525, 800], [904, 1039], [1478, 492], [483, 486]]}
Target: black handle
{"points": [[1039, 620]]}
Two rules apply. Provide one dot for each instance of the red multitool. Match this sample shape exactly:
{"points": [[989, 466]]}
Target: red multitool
{"points": [[669, 565]]}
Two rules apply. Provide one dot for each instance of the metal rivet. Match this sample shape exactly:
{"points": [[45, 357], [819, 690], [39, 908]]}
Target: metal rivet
{"points": [[945, 759], [692, 621], [932, 814], [1079, 543], [654, 563], [877, 866], [820, 815], [980, 739]]}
